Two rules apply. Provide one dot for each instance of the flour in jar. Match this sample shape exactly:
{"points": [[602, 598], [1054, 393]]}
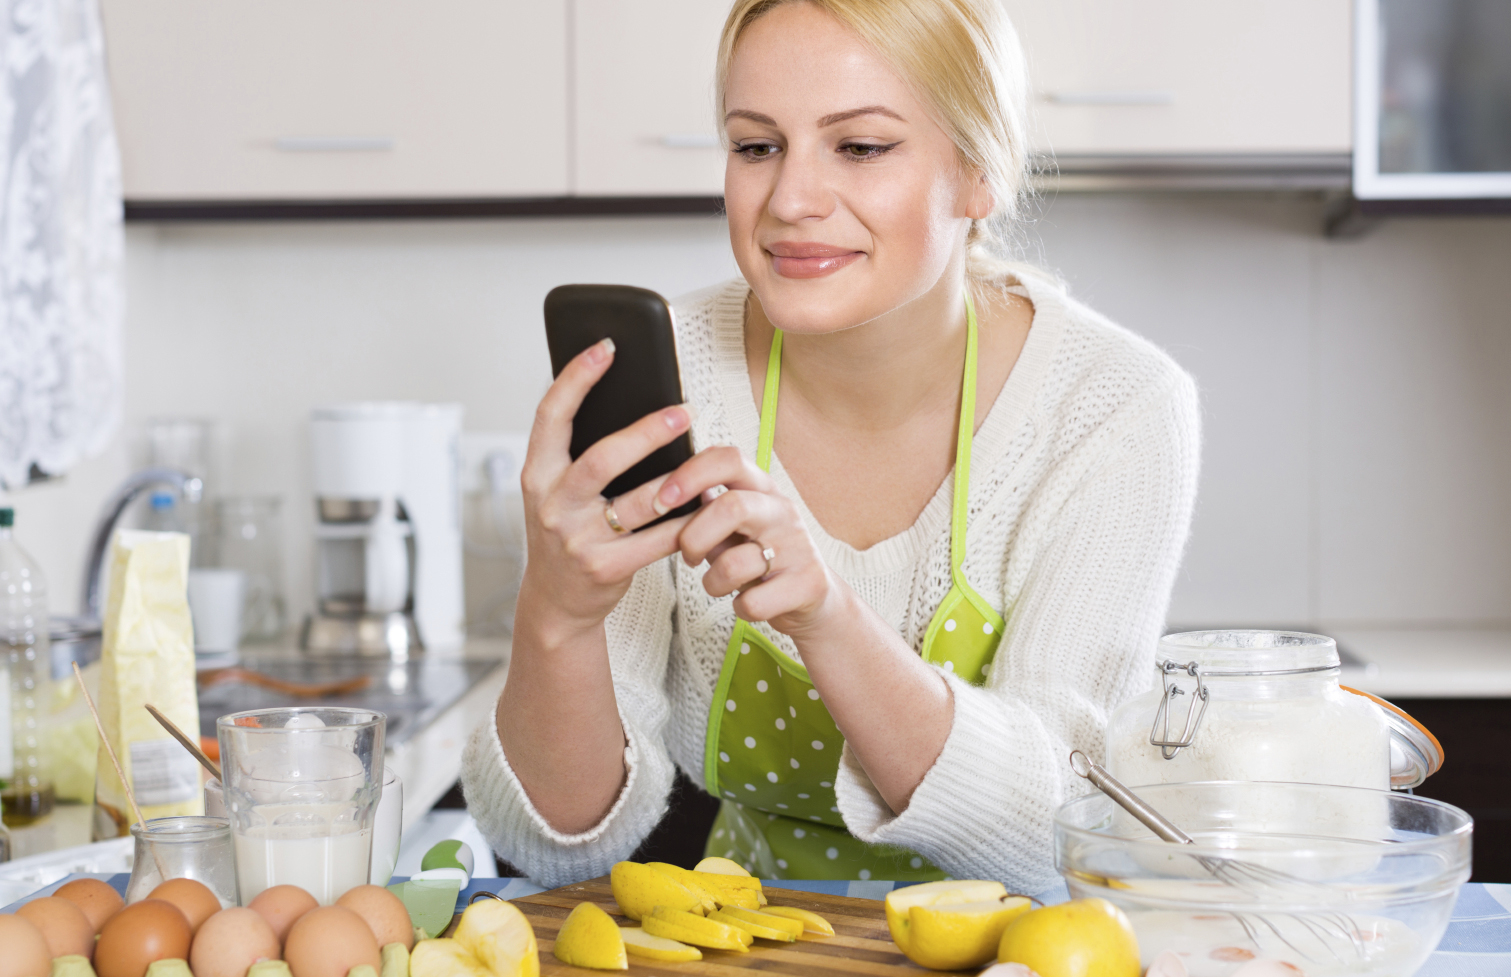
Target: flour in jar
{"points": [[1334, 738]]}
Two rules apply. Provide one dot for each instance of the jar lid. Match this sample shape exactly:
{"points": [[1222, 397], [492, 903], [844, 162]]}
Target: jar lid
{"points": [[1415, 754], [1233, 653]]}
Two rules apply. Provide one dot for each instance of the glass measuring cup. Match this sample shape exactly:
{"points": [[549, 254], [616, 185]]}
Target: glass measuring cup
{"points": [[302, 787]]}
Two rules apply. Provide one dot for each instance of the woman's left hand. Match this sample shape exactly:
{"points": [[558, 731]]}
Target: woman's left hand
{"points": [[792, 589]]}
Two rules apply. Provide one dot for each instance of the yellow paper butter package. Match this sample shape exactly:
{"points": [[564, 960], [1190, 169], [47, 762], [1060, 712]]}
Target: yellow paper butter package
{"points": [[147, 657]]}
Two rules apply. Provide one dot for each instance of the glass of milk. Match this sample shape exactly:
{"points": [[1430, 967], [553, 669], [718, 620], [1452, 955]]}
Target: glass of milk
{"points": [[301, 789]]}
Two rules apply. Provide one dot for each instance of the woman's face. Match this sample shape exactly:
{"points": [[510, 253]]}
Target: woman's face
{"points": [[846, 200]]}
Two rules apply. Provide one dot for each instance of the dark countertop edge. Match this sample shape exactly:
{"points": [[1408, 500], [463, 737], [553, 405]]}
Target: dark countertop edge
{"points": [[175, 211]]}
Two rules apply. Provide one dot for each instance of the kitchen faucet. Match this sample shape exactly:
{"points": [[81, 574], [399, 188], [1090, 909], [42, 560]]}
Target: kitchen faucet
{"points": [[189, 488]]}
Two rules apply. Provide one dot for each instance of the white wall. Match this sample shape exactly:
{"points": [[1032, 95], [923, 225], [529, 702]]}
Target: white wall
{"points": [[1356, 461]]}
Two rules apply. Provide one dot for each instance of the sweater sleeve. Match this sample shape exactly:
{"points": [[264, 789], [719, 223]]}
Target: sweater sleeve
{"points": [[639, 634], [1078, 642]]}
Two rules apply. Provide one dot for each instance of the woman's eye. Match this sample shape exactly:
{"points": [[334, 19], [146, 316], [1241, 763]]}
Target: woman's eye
{"points": [[860, 150], [754, 151]]}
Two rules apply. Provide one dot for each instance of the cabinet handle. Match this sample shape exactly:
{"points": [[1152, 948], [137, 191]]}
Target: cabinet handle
{"points": [[690, 140], [333, 144], [1110, 98]]}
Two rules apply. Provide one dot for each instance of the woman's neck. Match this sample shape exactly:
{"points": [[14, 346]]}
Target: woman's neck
{"points": [[879, 374]]}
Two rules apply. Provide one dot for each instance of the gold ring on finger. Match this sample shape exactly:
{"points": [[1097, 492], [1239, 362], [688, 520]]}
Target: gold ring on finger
{"points": [[769, 554], [612, 518]]}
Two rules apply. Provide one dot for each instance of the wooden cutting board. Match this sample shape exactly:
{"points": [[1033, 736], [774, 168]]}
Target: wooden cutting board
{"points": [[861, 945]]}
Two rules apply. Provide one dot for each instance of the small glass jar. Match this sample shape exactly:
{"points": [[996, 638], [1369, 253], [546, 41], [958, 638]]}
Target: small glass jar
{"points": [[1251, 706], [183, 848]]}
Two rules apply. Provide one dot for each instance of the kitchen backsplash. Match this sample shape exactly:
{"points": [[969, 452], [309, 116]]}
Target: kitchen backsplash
{"points": [[1357, 394]]}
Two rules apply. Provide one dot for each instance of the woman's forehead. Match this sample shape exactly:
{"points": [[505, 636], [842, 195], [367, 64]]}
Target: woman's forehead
{"points": [[797, 65]]}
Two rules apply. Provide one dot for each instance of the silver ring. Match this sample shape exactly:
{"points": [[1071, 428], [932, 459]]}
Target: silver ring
{"points": [[612, 519], [769, 554]]}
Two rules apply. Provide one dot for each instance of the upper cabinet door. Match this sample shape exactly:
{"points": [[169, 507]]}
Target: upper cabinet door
{"points": [[644, 97], [267, 99], [1187, 76]]}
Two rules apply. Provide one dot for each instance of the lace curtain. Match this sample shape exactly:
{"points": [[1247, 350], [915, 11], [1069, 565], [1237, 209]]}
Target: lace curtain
{"points": [[60, 240]]}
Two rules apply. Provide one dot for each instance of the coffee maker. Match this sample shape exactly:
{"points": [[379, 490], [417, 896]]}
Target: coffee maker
{"points": [[388, 541]]}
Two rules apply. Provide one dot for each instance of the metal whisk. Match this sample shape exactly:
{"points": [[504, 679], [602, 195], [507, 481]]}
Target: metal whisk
{"points": [[1330, 929]]}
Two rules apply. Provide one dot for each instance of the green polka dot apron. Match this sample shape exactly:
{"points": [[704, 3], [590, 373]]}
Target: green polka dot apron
{"points": [[773, 749]]}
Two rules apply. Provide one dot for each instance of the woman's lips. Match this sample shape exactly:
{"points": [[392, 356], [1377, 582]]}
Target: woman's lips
{"points": [[792, 259]]}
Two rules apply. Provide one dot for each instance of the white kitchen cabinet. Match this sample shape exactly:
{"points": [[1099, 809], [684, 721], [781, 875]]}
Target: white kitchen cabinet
{"points": [[1172, 77], [332, 99], [643, 81]]}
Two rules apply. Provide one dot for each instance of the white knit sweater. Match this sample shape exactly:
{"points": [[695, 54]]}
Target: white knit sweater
{"points": [[1083, 477]]}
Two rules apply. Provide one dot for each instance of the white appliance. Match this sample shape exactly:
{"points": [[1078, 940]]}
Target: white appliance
{"points": [[388, 532]]}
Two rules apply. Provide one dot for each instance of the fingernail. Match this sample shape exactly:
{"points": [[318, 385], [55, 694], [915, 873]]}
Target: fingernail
{"points": [[600, 351], [679, 420], [666, 499]]}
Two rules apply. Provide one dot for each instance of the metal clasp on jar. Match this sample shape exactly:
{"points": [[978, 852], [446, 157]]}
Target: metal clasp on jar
{"points": [[1159, 733]]}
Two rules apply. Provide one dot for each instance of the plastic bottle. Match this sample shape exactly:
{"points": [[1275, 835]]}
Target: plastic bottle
{"points": [[26, 789], [163, 515]]}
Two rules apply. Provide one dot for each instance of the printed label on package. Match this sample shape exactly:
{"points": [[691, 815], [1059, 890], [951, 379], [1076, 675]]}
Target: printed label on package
{"points": [[162, 772]]}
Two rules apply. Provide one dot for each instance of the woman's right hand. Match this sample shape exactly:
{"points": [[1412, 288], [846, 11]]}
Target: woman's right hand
{"points": [[578, 566]]}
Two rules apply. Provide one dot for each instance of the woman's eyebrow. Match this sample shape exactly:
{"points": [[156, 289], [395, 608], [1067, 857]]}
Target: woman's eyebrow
{"points": [[830, 120], [827, 120], [756, 117]]}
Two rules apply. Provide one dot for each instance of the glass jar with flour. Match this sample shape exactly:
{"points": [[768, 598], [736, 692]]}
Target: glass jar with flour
{"points": [[1261, 705]]}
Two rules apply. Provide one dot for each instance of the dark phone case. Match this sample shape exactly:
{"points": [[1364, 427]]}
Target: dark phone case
{"points": [[643, 379]]}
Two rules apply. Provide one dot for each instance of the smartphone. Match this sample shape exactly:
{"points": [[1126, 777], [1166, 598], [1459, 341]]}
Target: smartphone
{"points": [[643, 378]]}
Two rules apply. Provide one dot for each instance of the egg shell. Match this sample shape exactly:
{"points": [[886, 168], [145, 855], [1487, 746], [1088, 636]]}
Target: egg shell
{"points": [[281, 906], [139, 934], [62, 924], [26, 953], [98, 899], [328, 942], [229, 942], [384, 912], [193, 898]]}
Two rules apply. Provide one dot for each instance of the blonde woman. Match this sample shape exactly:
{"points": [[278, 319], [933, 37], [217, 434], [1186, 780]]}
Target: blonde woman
{"points": [[944, 504]]}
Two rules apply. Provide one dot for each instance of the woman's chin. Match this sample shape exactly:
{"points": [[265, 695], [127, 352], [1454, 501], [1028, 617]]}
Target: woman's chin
{"points": [[814, 306]]}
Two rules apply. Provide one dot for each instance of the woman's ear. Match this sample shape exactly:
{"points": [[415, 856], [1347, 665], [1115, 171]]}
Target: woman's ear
{"points": [[982, 201]]}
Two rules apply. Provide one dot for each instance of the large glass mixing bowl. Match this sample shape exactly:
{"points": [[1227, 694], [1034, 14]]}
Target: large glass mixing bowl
{"points": [[1333, 880]]}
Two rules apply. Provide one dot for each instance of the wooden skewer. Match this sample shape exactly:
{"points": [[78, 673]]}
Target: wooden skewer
{"points": [[188, 744], [115, 762]]}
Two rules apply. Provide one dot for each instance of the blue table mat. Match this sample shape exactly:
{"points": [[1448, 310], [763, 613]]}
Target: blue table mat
{"points": [[1477, 943]]}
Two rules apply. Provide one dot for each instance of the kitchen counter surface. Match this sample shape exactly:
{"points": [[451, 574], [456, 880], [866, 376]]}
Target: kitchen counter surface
{"points": [[434, 701], [1445, 663]]}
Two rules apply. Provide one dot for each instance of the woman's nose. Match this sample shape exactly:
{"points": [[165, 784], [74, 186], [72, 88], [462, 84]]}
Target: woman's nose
{"points": [[801, 192]]}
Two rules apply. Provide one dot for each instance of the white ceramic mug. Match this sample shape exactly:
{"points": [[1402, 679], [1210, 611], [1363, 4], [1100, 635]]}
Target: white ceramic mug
{"points": [[388, 826], [215, 599]]}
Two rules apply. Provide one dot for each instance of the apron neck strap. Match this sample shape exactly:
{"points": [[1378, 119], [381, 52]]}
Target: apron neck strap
{"points": [[962, 439]]}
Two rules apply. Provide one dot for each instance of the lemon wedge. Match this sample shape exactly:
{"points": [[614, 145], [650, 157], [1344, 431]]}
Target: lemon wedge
{"points": [[639, 943], [812, 922], [791, 927], [720, 866], [590, 938], [498, 935], [684, 927], [960, 935], [639, 889], [900, 901]]}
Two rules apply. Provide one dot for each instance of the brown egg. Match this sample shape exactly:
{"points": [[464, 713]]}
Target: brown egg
{"points": [[193, 899], [139, 934], [26, 953], [231, 941], [62, 924], [281, 906], [384, 912], [98, 900], [327, 942]]}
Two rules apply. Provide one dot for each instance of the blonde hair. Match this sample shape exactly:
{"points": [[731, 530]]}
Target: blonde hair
{"points": [[963, 60]]}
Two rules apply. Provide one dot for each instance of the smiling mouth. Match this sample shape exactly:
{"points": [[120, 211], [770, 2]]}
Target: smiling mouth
{"points": [[792, 259]]}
